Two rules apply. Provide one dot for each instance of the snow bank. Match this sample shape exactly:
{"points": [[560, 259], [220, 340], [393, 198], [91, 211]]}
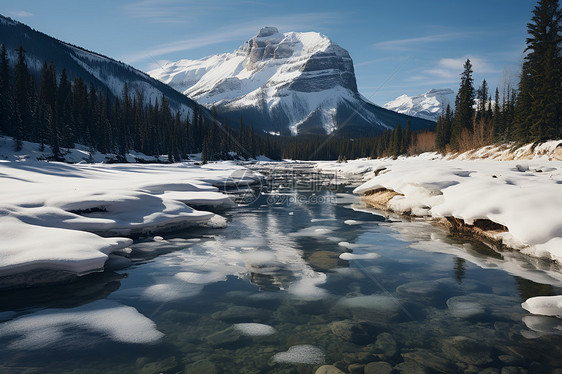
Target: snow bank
{"points": [[30, 247], [525, 198], [53, 215], [115, 321]]}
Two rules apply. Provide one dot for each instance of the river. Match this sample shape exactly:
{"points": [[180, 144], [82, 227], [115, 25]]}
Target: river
{"points": [[302, 275]]}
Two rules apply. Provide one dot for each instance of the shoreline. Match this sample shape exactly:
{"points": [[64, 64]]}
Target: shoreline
{"points": [[482, 230]]}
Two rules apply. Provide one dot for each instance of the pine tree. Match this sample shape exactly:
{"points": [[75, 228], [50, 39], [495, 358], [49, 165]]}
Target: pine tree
{"points": [[464, 115], [482, 101], [448, 125], [497, 115], [539, 104], [64, 111], [21, 98], [5, 91]]}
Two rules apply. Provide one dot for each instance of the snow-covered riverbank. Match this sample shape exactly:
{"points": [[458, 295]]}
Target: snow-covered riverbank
{"points": [[524, 196], [520, 199], [68, 218]]}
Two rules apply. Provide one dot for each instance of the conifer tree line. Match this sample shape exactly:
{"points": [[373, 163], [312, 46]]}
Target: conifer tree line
{"points": [[58, 112], [533, 113]]}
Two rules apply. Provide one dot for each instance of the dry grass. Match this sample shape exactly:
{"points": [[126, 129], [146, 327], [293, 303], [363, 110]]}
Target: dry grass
{"points": [[422, 142]]}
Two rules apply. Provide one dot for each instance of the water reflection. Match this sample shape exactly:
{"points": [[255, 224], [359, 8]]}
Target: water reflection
{"points": [[459, 268]]}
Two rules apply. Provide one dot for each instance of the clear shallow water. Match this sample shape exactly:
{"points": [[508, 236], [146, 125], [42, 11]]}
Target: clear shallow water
{"points": [[269, 294]]}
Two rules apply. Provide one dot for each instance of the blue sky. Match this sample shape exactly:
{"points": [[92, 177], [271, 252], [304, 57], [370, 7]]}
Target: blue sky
{"points": [[406, 46]]}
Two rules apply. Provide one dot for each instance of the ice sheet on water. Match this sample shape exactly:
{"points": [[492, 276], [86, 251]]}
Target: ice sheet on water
{"points": [[465, 309], [352, 245], [307, 288], [301, 354], [164, 292], [254, 329], [312, 231], [363, 256], [379, 302], [199, 278], [544, 305], [313, 220], [114, 321], [541, 325], [352, 222]]}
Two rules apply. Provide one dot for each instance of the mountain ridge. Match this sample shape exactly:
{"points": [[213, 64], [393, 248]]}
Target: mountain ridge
{"points": [[102, 71], [428, 105], [288, 83]]}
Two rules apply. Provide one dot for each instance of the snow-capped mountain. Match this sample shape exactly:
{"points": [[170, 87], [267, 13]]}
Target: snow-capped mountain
{"points": [[284, 82], [428, 105], [103, 72]]}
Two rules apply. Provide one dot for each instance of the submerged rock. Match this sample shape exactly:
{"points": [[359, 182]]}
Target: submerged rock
{"points": [[240, 314], [226, 337], [201, 367], [165, 365], [410, 367], [377, 368], [354, 332], [469, 351], [385, 346], [324, 260], [429, 361], [328, 369], [355, 369]]}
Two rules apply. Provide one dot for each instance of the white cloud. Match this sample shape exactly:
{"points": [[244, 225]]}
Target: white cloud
{"points": [[21, 13], [449, 69], [238, 32], [412, 43], [187, 44]]}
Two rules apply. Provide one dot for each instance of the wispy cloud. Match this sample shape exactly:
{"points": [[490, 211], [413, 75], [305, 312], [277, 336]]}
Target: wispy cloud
{"points": [[413, 43], [374, 61], [449, 69], [188, 44], [21, 13], [238, 32], [181, 11]]}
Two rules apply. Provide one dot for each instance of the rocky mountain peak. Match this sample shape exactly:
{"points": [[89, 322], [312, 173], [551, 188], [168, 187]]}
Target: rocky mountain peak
{"points": [[267, 31], [292, 82]]}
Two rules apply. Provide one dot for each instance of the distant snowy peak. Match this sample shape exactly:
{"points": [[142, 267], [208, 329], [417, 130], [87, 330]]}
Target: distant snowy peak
{"points": [[302, 82], [428, 105], [270, 60]]}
